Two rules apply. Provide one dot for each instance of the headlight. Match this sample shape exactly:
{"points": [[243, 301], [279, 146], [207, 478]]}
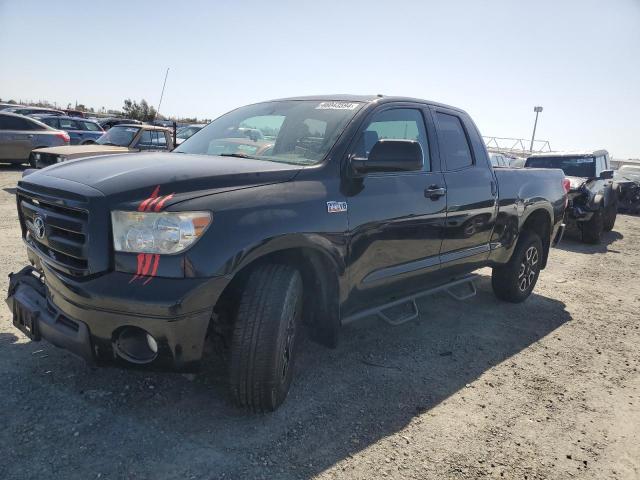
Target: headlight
{"points": [[162, 232]]}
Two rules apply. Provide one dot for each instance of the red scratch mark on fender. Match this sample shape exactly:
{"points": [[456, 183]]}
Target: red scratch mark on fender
{"points": [[139, 270], [156, 260], [143, 205], [147, 263], [161, 203]]}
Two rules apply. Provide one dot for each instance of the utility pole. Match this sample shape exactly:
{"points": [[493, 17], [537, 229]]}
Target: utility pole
{"points": [[533, 137], [162, 93]]}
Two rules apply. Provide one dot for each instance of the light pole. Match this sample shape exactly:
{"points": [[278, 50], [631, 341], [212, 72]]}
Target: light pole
{"points": [[537, 110]]}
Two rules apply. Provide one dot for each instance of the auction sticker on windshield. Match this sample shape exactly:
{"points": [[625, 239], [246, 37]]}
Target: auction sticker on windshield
{"points": [[337, 106]]}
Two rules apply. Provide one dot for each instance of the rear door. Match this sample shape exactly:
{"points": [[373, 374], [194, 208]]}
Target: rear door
{"points": [[91, 130], [73, 128], [395, 223], [471, 191], [17, 135]]}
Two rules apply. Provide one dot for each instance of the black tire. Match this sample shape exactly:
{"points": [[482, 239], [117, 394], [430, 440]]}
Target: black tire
{"points": [[264, 337], [515, 281], [611, 214], [88, 142], [592, 230], [32, 161]]}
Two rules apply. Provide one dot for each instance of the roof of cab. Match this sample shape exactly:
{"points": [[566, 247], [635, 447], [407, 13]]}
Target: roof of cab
{"points": [[571, 153], [341, 97]]}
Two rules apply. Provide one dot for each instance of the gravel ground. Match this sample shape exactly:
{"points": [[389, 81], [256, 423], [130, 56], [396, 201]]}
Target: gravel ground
{"points": [[480, 388]]}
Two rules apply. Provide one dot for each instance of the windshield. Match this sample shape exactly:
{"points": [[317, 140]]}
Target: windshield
{"points": [[119, 136], [571, 166], [290, 131], [186, 132]]}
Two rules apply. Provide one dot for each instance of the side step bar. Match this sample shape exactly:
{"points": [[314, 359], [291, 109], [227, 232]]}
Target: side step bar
{"points": [[406, 309]]}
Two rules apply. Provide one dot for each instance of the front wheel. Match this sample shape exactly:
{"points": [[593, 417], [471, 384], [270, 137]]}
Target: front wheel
{"points": [[515, 281], [592, 230], [611, 215], [264, 337]]}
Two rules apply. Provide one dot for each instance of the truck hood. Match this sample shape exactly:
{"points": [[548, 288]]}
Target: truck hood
{"points": [[130, 177]]}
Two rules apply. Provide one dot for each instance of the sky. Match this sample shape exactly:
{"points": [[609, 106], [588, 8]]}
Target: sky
{"points": [[496, 59]]}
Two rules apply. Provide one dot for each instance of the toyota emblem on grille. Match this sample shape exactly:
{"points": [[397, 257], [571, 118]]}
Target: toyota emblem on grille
{"points": [[38, 227]]}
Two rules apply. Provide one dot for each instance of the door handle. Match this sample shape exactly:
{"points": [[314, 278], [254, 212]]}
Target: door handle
{"points": [[29, 136], [434, 192]]}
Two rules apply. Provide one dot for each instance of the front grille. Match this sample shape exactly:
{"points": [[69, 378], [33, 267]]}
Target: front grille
{"points": [[62, 237]]}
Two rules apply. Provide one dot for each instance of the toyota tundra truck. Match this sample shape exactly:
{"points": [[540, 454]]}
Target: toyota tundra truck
{"points": [[310, 211]]}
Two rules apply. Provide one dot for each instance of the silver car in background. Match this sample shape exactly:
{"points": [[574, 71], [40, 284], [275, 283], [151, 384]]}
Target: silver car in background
{"points": [[19, 135]]}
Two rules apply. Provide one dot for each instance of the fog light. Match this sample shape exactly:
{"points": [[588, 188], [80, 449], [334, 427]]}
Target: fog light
{"points": [[151, 342], [135, 345]]}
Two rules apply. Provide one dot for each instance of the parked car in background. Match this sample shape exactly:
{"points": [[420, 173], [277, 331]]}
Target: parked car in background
{"points": [[593, 203], [75, 113], [185, 132], [107, 123], [119, 139], [19, 135], [498, 159], [33, 111], [81, 131], [517, 162], [627, 181]]}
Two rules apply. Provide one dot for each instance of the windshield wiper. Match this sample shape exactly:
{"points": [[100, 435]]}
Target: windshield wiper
{"points": [[237, 155]]}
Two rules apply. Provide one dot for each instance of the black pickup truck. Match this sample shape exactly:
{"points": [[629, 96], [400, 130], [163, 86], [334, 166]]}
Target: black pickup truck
{"points": [[593, 197], [305, 210]]}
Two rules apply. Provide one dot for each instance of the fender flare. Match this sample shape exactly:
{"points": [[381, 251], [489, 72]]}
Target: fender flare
{"points": [[324, 265]]}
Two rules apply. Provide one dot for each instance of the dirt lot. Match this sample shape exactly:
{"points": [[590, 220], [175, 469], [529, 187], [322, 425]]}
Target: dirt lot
{"points": [[547, 389]]}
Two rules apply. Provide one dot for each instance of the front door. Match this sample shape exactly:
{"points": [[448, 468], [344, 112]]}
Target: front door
{"points": [[395, 219]]}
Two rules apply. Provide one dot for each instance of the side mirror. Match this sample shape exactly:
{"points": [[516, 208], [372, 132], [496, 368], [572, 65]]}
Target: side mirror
{"points": [[391, 156], [606, 174]]}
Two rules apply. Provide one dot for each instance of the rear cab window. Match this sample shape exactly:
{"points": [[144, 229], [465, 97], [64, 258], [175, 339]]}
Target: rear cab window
{"points": [[454, 145]]}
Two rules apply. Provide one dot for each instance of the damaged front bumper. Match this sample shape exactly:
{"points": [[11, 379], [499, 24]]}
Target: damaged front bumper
{"points": [[88, 317]]}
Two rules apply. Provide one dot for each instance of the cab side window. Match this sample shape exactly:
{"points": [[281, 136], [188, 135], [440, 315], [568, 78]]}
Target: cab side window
{"points": [[601, 165], [454, 146], [145, 140], [395, 124]]}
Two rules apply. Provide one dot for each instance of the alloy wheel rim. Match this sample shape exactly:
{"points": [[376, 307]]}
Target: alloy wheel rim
{"points": [[528, 268]]}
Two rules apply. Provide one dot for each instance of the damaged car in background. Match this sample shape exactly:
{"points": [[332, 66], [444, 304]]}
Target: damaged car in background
{"points": [[627, 181], [118, 139], [593, 202]]}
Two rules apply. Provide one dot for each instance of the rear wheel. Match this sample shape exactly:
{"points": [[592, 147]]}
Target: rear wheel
{"points": [[611, 214], [264, 337], [592, 230], [515, 281]]}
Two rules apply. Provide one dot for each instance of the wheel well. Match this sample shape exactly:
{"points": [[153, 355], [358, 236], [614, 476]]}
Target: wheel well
{"points": [[539, 222], [321, 292]]}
